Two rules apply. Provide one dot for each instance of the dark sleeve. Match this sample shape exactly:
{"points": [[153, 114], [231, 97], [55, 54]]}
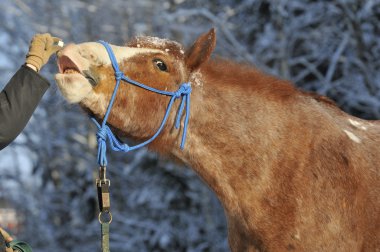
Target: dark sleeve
{"points": [[18, 101]]}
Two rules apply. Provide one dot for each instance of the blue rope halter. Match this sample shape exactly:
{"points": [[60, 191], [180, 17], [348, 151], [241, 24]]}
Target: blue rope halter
{"points": [[104, 131]]}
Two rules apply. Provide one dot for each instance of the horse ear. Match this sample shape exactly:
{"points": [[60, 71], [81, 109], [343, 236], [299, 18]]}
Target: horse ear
{"points": [[201, 50]]}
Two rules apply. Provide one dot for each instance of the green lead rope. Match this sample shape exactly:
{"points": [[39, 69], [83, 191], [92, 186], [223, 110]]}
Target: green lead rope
{"points": [[105, 237], [19, 246]]}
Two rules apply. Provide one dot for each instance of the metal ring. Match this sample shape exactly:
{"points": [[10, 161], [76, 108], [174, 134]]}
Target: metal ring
{"points": [[100, 217]]}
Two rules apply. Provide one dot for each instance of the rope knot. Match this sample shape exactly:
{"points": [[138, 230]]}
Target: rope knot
{"points": [[118, 75], [178, 93], [102, 133], [184, 89]]}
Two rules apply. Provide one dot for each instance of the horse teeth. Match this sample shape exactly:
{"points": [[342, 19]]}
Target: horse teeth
{"points": [[70, 71]]}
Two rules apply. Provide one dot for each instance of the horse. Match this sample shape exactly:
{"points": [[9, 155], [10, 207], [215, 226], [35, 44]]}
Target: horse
{"points": [[292, 171]]}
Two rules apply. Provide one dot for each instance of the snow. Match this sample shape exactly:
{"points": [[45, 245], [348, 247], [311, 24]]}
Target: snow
{"points": [[158, 42], [196, 78]]}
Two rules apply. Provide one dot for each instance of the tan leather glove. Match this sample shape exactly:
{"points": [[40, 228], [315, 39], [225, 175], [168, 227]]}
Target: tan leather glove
{"points": [[41, 48]]}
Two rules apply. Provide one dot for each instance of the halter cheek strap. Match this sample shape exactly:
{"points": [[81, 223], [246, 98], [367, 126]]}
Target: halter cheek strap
{"points": [[105, 132]]}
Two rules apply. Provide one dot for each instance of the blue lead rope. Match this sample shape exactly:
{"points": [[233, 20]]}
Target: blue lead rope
{"points": [[105, 132]]}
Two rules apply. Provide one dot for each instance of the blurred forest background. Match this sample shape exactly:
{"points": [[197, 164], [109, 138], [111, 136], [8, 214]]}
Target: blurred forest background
{"points": [[47, 175]]}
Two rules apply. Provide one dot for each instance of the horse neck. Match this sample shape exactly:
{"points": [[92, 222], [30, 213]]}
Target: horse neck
{"points": [[237, 116]]}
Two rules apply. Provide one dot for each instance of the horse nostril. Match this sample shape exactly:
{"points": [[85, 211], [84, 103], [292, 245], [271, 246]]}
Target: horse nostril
{"points": [[88, 55]]}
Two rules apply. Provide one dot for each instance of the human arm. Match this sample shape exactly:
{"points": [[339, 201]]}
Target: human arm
{"points": [[18, 101], [24, 91]]}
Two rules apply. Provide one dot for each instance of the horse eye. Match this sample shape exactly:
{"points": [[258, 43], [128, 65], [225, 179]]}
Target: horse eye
{"points": [[160, 64]]}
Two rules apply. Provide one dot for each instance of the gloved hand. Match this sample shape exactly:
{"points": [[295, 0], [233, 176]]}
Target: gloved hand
{"points": [[41, 48]]}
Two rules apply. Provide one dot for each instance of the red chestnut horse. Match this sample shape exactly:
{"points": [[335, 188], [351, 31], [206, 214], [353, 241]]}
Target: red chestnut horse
{"points": [[292, 170]]}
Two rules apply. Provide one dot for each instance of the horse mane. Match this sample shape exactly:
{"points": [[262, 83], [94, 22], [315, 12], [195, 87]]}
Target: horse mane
{"points": [[248, 77]]}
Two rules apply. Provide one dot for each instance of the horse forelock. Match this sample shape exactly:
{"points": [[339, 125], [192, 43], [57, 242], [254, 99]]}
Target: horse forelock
{"points": [[165, 45]]}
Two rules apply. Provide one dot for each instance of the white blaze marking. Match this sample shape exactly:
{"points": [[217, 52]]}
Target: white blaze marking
{"points": [[357, 124], [352, 136], [121, 52]]}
